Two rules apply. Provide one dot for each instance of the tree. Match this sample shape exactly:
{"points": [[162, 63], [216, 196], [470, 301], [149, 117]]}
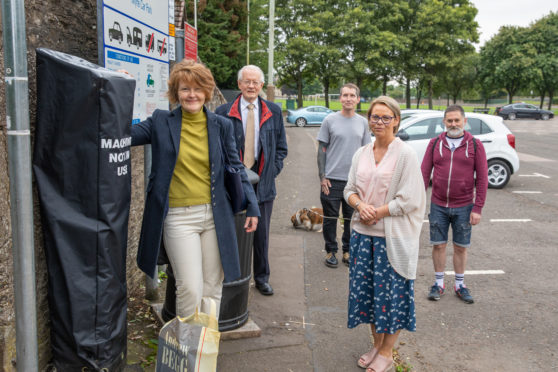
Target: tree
{"points": [[544, 36], [325, 33], [370, 35], [509, 59], [221, 32], [485, 82], [294, 51], [393, 41], [408, 59], [455, 29], [361, 43], [461, 74], [259, 33]]}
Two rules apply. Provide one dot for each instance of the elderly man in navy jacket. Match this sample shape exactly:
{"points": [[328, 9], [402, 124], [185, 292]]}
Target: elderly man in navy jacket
{"points": [[260, 139]]}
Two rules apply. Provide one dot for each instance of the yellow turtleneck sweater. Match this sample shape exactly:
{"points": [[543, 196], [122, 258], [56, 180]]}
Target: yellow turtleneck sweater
{"points": [[190, 184]]}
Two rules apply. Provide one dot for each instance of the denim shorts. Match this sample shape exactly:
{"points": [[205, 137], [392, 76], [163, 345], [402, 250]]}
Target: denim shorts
{"points": [[440, 219]]}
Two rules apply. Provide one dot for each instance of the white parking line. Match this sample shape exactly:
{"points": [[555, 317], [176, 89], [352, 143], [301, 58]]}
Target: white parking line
{"points": [[511, 220], [502, 220], [527, 192], [478, 272], [534, 175]]}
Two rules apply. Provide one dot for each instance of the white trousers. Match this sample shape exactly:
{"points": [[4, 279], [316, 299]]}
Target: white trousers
{"points": [[191, 245]]}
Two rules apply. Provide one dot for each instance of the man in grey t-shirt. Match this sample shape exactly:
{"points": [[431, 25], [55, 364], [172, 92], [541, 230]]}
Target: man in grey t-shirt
{"points": [[341, 134]]}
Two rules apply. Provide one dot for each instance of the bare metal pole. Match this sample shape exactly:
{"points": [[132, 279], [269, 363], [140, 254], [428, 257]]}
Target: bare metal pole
{"points": [[248, 32], [196, 14], [179, 43], [270, 87], [19, 170]]}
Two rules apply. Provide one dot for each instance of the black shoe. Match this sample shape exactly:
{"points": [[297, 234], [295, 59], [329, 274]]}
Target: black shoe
{"points": [[264, 289], [331, 261]]}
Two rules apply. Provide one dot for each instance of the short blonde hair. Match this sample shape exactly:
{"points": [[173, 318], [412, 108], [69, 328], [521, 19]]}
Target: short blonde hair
{"points": [[190, 72], [391, 104]]}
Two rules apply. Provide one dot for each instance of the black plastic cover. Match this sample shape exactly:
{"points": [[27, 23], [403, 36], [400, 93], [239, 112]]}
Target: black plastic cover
{"points": [[82, 167]]}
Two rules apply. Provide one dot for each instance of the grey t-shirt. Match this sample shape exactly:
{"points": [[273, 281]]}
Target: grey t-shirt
{"points": [[344, 136]]}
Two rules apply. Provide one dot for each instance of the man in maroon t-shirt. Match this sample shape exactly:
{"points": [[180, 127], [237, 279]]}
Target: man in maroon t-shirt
{"points": [[459, 185]]}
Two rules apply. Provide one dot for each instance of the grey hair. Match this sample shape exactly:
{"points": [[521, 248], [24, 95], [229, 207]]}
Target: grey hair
{"points": [[453, 108], [254, 68]]}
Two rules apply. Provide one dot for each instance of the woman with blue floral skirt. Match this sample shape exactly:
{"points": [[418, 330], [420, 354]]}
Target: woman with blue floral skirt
{"points": [[386, 189]]}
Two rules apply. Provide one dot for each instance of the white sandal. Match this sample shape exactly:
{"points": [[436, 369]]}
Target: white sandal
{"points": [[367, 358], [380, 364]]}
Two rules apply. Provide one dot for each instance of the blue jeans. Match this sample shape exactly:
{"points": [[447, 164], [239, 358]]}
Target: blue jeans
{"points": [[331, 204], [440, 219]]}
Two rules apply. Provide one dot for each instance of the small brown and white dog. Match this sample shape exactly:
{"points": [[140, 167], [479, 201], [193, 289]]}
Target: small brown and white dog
{"points": [[308, 218]]}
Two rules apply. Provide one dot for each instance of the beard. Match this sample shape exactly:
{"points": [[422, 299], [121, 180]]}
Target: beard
{"points": [[455, 132]]}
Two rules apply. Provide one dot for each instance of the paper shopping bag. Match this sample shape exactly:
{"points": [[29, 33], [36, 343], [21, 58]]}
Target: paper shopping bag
{"points": [[189, 344]]}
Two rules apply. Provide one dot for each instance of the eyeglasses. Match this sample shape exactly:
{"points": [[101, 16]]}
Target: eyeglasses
{"points": [[251, 82], [386, 120]]}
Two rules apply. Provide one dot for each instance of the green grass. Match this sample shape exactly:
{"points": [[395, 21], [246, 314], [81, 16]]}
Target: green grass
{"points": [[336, 105]]}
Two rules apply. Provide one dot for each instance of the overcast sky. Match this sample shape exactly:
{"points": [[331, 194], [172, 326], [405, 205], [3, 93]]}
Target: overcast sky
{"points": [[492, 14]]}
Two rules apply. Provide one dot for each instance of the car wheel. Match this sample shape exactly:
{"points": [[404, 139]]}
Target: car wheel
{"points": [[511, 116], [498, 174], [545, 116], [300, 122]]}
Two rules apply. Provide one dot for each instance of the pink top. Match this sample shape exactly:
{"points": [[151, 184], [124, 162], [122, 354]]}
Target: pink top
{"points": [[372, 183]]}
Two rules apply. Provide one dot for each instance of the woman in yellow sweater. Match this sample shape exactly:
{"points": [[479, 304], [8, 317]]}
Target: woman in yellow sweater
{"points": [[187, 207]]}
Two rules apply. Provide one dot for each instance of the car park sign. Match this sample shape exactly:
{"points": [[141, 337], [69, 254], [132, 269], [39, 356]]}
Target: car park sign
{"points": [[135, 37]]}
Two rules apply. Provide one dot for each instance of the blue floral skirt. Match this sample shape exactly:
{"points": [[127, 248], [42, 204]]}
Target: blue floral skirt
{"points": [[377, 294]]}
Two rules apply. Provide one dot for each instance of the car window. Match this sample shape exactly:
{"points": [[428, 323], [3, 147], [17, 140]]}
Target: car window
{"points": [[485, 128], [473, 126], [423, 129], [311, 109], [405, 116], [531, 107], [321, 109], [477, 126], [439, 128]]}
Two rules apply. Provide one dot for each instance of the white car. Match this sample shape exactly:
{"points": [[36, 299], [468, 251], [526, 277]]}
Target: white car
{"points": [[498, 141], [415, 112]]}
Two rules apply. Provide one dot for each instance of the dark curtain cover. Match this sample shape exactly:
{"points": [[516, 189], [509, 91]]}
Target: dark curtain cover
{"points": [[81, 163]]}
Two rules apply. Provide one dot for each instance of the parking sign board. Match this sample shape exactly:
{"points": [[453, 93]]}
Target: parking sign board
{"points": [[136, 39]]}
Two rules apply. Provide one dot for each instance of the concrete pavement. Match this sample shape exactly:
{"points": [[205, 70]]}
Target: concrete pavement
{"points": [[510, 327]]}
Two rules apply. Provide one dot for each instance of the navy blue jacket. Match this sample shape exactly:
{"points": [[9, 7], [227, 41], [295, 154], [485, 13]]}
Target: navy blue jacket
{"points": [[273, 142], [162, 131]]}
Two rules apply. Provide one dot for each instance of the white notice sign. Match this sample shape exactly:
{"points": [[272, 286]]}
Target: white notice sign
{"points": [[136, 39]]}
